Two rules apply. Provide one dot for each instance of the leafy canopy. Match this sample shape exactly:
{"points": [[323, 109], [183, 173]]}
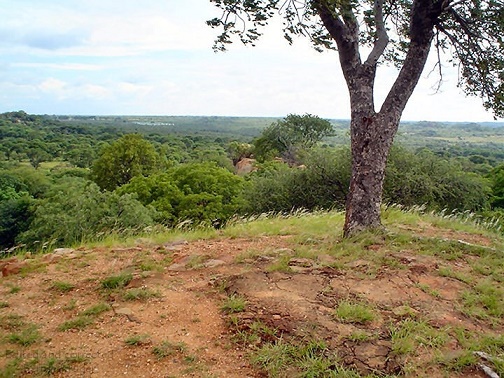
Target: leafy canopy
{"points": [[294, 132], [128, 157], [468, 34]]}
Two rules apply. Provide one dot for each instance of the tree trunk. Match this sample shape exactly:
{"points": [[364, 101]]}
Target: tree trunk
{"points": [[372, 132], [372, 136]]}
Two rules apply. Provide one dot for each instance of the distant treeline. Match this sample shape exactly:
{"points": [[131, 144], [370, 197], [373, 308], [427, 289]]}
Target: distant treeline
{"points": [[65, 180]]}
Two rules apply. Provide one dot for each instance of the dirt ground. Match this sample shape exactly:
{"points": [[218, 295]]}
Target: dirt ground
{"points": [[191, 282]]}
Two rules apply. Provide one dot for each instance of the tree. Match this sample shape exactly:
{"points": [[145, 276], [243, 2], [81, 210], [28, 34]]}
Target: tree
{"points": [[291, 134], [128, 157], [402, 32]]}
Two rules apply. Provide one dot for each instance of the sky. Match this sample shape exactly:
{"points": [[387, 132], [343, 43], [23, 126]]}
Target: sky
{"points": [[155, 57]]}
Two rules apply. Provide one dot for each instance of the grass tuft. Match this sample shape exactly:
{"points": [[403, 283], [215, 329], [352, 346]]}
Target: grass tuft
{"points": [[233, 304], [117, 282], [352, 312]]}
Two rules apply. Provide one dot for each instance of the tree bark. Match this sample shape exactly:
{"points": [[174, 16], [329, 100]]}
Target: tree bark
{"points": [[372, 133], [371, 139]]}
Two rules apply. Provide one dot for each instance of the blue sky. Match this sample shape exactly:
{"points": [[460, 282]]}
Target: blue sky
{"points": [[154, 57]]}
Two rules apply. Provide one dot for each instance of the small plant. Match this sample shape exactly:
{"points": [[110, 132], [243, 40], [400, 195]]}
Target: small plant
{"points": [[234, 303], [140, 294], [62, 287], [428, 290], [117, 282], [96, 310], [349, 312], [54, 365], [79, 322], [360, 336], [137, 340], [4, 304], [26, 336], [167, 348]]}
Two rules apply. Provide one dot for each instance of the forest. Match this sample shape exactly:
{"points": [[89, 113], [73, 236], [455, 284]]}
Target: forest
{"points": [[65, 180]]}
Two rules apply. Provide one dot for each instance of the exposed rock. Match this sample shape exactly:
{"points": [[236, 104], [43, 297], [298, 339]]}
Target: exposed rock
{"points": [[13, 268], [63, 251], [213, 263], [124, 311], [175, 246], [245, 166]]}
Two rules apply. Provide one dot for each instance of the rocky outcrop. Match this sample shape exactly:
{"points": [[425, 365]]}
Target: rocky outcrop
{"points": [[245, 166]]}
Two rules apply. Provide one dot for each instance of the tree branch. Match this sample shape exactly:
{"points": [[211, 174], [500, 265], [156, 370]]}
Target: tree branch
{"points": [[347, 39], [382, 38]]}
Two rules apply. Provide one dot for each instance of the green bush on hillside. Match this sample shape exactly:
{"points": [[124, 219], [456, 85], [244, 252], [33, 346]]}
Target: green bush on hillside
{"points": [[199, 192], [76, 210]]}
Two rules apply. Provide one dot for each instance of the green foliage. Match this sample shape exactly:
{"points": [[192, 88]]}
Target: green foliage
{"points": [[237, 151], [116, 282], [353, 312], [289, 136], [234, 303], [423, 178], [128, 157], [27, 336], [496, 177], [96, 309], [308, 359], [79, 322], [140, 294], [76, 210], [62, 286], [15, 218], [199, 192]]}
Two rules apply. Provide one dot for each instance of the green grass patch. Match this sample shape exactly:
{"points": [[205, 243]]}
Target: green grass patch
{"points": [[78, 323], [96, 310], [459, 276], [4, 304], [484, 301], [25, 337], [354, 312], [13, 289], [116, 282], [281, 264], [408, 334], [62, 286], [428, 290], [140, 294], [12, 322], [234, 303], [310, 358]]}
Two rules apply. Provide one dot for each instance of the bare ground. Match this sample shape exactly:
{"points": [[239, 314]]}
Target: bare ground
{"points": [[191, 282]]}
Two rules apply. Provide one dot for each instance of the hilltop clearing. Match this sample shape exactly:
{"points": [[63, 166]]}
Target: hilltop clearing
{"points": [[276, 297]]}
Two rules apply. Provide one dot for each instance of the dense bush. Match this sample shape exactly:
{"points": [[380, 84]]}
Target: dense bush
{"points": [[76, 210], [424, 178], [419, 178], [199, 192]]}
